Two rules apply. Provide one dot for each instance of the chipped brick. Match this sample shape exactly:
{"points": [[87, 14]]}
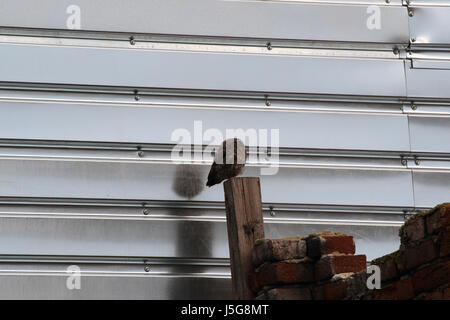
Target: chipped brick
{"points": [[327, 243], [330, 265], [284, 272]]}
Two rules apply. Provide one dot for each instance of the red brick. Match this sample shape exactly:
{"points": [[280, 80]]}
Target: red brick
{"points": [[284, 272], [413, 229], [399, 290], [431, 276], [266, 250], [327, 243], [438, 219], [342, 286], [330, 265], [421, 253]]}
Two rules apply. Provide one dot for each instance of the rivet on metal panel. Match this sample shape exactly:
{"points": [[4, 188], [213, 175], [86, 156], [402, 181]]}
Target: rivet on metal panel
{"points": [[410, 12], [272, 213], [132, 41], [403, 161], [147, 269], [396, 51], [416, 161], [140, 153], [413, 106], [269, 46], [388, 1], [136, 95], [145, 210], [413, 39], [267, 100]]}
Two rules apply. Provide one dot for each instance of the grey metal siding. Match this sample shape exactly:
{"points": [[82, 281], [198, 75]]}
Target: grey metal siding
{"points": [[87, 114]]}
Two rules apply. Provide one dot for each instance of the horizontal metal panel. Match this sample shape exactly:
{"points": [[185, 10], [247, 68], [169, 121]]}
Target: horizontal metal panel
{"points": [[427, 83], [439, 3], [429, 134], [135, 123], [431, 187], [170, 237], [254, 19], [165, 181], [33, 285], [200, 70], [427, 25], [31, 277], [431, 64]]}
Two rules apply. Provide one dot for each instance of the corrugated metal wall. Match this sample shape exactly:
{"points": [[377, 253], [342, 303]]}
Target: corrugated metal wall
{"points": [[91, 92]]}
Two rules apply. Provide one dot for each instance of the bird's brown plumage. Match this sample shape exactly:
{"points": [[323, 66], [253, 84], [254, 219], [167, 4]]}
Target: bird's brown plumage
{"points": [[229, 161]]}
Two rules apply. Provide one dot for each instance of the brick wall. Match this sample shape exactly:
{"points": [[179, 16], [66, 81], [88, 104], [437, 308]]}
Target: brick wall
{"points": [[324, 266], [420, 269]]}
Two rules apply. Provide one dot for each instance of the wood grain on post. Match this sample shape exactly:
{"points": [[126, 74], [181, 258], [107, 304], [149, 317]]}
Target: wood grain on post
{"points": [[245, 226]]}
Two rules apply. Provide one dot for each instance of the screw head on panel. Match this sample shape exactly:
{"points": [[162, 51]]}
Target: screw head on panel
{"points": [[267, 101], [416, 161], [136, 95], [404, 162], [405, 214], [269, 46], [132, 41], [410, 12], [141, 154], [388, 1], [413, 107], [145, 211], [396, 51], [147, 269], [271, 212]]}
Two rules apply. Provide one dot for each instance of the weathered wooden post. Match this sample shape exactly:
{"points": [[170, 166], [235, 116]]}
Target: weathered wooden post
{"points": [[245, 226]]}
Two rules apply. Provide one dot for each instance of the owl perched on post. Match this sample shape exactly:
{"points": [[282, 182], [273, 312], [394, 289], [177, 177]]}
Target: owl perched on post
{"points": [[229, 160]]}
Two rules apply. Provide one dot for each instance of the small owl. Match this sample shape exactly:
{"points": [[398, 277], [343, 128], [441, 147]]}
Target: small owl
{"points": [[229, 160]]}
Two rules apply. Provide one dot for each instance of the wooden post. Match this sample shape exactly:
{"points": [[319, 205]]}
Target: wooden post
{"points": [[245, 226]]}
